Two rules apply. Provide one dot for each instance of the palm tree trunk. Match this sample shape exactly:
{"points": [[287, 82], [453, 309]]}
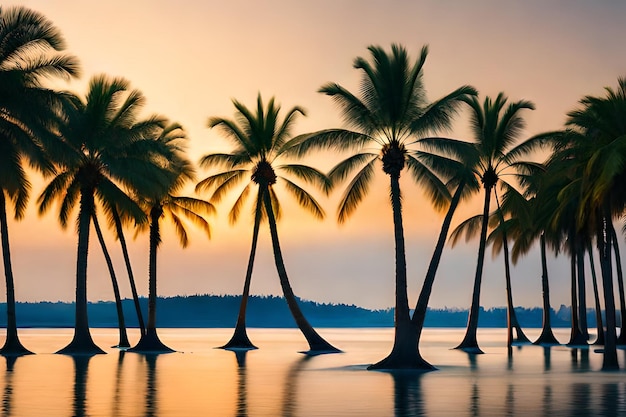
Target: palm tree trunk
{"points": [[121, 323], [470, 342], [12, 345], [576, 337], [240, 338], [82, 343], [317, 344], [150, 342], [419, 315], [604, 238], [547, 336], [404, 354], [131, 277], [511, 317], [582, 292], [596, 297], [621, 340]]}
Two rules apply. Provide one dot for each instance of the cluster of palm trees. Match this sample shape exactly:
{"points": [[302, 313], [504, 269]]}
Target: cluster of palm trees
{"points": [[99, 153]]}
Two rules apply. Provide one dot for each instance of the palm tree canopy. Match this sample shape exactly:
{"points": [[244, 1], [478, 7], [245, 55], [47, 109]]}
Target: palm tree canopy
{"points": [[261, 143], [30, 48], [384, 121], [107, 151]]}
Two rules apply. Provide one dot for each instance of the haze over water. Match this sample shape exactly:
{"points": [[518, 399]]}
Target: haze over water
{"points": [[276, 380]]}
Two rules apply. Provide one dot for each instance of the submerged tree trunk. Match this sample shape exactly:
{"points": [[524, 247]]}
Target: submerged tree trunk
{"points": [[317, 344], [404, 354], [621, 340], [596, 297], [121, 323], [12, 345], [582, 292], [419, 315], [604, 240], [82, 343], [240, 338], [150, 342], [576, 337], [547, 336], [129, 270], [511, 317], [470, 342]]}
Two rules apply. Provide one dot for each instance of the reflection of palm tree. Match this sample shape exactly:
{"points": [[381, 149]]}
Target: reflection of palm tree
{"points": [[547, 358], [260, 141], [29, 46], [152, 404], [242, 389], [7, 396], [391, 112], [81, 363], [290, 390], [407, 394], [117, 400]]}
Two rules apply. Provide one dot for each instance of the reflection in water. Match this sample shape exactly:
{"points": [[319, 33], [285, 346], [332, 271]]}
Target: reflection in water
{"points": [[7, 395], [242, 392], [547, 401], [81, 363], [407, 394], [583, 363], [547, 358], [475, 401], [152, 408], [290, 392], [117, 400]]}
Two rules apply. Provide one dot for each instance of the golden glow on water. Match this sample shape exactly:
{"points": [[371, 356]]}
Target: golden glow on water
{"points": [[275, 380]]}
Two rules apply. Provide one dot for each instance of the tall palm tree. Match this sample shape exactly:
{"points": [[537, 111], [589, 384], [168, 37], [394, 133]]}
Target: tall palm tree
{"points": [[161, 203], [388, 118], [105, 146], [260, 142], [496, 127], [30, 48]]}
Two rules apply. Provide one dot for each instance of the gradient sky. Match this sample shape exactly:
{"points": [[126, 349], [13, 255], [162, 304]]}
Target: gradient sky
{"points": [[190, 58]]}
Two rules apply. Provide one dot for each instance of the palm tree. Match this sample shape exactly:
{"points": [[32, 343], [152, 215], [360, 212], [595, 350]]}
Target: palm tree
{"points": [[161, 203], [529, 217], [29, 51], [496, 127], [465, 184], [601, 132], [260, 142], [390, 114], [104, 146]]}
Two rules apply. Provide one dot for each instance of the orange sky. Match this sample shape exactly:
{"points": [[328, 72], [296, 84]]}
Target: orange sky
{"points": [[191, 57]]}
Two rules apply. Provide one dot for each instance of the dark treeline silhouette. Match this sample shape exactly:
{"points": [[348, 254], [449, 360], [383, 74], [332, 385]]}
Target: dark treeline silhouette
{"points": [[216, 311]]}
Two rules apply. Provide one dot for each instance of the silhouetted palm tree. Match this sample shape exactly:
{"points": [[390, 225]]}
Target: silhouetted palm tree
{"points": [[389, 116], [161, 203], [496, 128], [601, 132], [104, 146], [30, 48], [260, 142]]}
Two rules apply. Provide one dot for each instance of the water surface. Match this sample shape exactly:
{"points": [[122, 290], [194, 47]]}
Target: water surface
{"points": [[276, 380]]}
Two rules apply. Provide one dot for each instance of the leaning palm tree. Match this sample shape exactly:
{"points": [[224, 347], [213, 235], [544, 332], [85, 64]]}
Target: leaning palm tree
{"points": [[30, 48], [261, 141], [161, 203], [388, 120], [496, 127], [104, 146]]}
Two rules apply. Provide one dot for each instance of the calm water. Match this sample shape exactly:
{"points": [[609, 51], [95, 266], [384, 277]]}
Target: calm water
{"points": [[277, 381]]}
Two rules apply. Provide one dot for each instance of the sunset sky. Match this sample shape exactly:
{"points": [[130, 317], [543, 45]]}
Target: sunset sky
{"points": [[190, 58]]}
